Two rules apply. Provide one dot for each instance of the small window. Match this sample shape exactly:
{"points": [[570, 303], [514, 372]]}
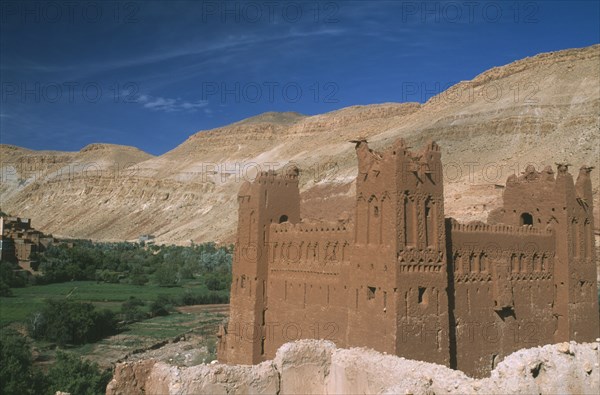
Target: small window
{"points": [[371, 293], [283, 219], [526, 219], [376, 211], [422, 295]]}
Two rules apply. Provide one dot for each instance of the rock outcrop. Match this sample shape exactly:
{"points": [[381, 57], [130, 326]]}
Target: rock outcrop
{"points": [[318, 367], [539, 110]]}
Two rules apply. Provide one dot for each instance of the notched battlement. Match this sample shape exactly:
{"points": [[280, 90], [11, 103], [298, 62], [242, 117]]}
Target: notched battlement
{"points": [[290, 172], [309, 227], [478, 226]]}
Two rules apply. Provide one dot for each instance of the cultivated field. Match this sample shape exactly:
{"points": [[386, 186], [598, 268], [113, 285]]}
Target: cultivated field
{"points": [[30, 299]]}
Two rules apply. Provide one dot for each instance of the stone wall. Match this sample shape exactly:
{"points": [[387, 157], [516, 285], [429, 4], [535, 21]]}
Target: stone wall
{"points": [[318, 367]]}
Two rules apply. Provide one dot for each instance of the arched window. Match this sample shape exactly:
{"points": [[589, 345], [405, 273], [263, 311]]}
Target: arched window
{"points": [[283, 219], [544, 262], [522, 264], [536, 263], [457, 263], [410, 223], [526, 219], [429, 223], [514, 263]]}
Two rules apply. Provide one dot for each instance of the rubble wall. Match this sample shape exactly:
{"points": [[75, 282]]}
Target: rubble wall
{"points": [[318, 367]]}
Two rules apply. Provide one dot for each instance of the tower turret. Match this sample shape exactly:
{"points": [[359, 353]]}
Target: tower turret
{"points": [[539, 200], [398, 259], [270, 198]]}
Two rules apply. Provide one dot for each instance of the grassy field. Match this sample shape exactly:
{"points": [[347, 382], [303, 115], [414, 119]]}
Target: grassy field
{"points": [[30, 299]]}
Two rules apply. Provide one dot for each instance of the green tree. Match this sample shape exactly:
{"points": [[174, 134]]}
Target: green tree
{"points": [[161, 306], [11, 277], [5, 289], [167, 275], [75, 376], [66, 322], [15, 363], [132, 310]]}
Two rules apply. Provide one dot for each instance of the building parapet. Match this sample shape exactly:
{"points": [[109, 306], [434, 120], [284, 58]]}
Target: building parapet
{"points": [[481, 227], [306, 227], [289, 173]]}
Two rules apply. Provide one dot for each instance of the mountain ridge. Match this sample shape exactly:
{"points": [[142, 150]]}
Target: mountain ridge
{"points": [[547, 112]]}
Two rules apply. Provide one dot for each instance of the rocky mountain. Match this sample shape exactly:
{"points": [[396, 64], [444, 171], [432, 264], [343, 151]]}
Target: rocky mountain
{"points": [[539, 110]]}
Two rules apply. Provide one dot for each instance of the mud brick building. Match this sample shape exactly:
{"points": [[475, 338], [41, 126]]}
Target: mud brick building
{"points": [[403, 279], [18, 241]]}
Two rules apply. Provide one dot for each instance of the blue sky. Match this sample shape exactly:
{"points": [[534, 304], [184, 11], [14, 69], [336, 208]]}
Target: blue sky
{"points": [[149, 74]]}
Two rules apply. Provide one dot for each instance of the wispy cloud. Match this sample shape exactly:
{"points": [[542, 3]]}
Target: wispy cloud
{"points": [[231, 42], [218, 47], [169, 104]]}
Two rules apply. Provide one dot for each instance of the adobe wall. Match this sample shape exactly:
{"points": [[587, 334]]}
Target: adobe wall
{"points": [[421, 277], [19, 241], [307, 296], [271, 198], [397, 271], [548, 199], [370, 277], [502, 292], [583, 300]]}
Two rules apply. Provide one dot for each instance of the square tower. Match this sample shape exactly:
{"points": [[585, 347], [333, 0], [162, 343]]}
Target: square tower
{"points": [[398, 264], [270, 198]]}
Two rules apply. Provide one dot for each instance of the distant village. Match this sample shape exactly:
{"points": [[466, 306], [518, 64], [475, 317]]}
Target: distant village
{"points": [[19, 242]]}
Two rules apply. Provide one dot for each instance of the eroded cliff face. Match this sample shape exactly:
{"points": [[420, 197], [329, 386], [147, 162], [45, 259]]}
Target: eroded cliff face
{"points": [[539, 110], [318, 367]]}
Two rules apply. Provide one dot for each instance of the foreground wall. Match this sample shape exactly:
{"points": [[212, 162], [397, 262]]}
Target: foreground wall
{"points": [[318, 367]]}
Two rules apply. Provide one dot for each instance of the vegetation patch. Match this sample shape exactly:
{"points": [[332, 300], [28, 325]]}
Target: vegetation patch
{"points": [[92, 304]]}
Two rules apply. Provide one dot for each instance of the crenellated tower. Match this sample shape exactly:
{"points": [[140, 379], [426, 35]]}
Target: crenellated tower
{"points": [[421, 255], [398, 262], [270, 198], [545, 199]]}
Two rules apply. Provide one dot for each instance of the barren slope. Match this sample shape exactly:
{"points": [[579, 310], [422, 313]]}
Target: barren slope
{"points": [[540, 110]]}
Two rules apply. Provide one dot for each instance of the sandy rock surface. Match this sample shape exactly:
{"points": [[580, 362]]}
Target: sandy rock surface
{"points": [[318, 367]]}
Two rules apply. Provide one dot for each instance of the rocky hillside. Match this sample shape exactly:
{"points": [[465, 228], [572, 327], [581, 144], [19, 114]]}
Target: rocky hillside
{"points": [[539, 110], [318, 367]]}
